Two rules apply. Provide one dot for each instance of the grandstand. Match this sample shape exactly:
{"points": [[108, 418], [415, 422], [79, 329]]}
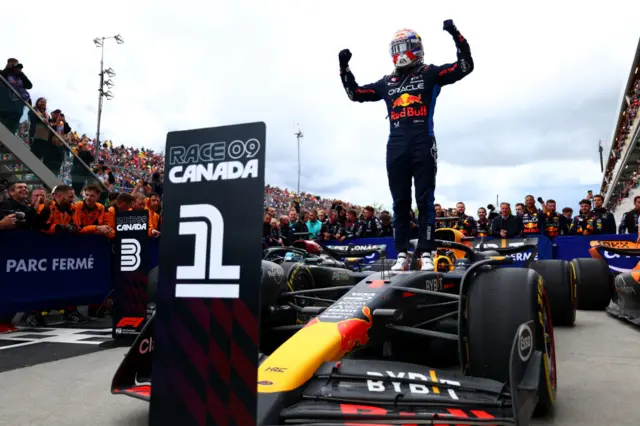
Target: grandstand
{"points": [[621, 180]]}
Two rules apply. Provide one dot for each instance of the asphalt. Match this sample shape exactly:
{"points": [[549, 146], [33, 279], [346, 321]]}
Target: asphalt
{"points": [[598, 376]]}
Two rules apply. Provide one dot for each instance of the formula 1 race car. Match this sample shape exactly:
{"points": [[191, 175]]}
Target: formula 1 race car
{"points": [[617, 292], [369, 355], [558, 276]]}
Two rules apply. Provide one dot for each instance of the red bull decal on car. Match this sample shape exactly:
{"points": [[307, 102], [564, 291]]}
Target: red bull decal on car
{"points": [[323, 339]]}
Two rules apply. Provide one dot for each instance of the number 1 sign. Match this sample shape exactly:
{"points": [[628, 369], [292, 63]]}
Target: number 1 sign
{"points": [[208, 307]]}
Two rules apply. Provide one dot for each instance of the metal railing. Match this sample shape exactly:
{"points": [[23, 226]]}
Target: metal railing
{"points": [[630, 148], [89, 172]]}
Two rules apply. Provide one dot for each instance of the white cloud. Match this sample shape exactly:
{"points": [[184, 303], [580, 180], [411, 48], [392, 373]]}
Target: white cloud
{"points": [[541, 69]]}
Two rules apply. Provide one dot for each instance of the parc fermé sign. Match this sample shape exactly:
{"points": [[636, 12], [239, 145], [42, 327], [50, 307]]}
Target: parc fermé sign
{"points": [[209, 277]]}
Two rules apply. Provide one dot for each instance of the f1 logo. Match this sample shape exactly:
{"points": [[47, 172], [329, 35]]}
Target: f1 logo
{"points": [[129, 254], [130, 322], [207, 257]]}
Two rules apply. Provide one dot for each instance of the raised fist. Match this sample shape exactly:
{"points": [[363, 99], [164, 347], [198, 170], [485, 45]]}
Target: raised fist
{"points": [[344, 57], [449, 26]]}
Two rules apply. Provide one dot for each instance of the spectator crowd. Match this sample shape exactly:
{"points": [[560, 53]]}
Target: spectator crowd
{"points": [[622, 139], [529, 219], [124, 178]]}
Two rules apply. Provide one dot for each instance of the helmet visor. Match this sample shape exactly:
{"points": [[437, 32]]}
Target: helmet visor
{"points": [[399, 47]]}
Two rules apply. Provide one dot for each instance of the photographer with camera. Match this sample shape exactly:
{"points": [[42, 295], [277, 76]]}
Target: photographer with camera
{"points": [[15, 211]]}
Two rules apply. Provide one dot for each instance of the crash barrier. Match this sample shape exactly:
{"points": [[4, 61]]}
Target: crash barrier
{"points": [[54, 271], [42, 271], [563, 247], [544, 244]]}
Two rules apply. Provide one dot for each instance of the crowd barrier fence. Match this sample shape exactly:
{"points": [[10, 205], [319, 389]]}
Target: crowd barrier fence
{"points": [[42, 271]]}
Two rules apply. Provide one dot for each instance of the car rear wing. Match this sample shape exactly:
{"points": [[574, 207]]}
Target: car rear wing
{"points": [[133, 377], [352, 251], [506, 245], [369, 393], [623, 248]]}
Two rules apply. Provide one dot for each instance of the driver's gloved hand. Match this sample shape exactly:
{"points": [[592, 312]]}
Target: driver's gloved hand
{"points": [[344, 57], [449, 27]]}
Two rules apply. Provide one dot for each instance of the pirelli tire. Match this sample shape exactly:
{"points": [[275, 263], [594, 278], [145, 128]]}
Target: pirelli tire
{"points": [[498, 302], [271, 281], [594, 284], [559, 281], [298, 277]]}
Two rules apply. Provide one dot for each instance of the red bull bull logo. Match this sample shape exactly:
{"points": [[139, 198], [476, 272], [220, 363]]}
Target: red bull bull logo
{"points": [[355, 331], [406, 99]]}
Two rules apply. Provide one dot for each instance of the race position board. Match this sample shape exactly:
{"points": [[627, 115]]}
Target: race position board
{"points": [[206, 350]]}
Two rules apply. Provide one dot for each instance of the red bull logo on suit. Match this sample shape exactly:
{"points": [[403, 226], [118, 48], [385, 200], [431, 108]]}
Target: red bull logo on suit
{"points": [[405, 101]]}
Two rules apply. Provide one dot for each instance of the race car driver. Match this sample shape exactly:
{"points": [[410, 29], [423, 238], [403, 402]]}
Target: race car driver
{"points": [[410, 93]]}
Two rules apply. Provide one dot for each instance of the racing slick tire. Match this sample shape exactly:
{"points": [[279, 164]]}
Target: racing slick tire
{"points": [[276, 280], [498, 302], [594, 284], [560, 284], [298, 277]]}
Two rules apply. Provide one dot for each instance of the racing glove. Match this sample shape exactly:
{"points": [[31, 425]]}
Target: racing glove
{"points": [[344, 57], [449, 27]]}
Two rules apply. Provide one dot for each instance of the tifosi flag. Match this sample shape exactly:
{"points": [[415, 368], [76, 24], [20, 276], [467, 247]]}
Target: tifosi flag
{"points": [[130, 274]]}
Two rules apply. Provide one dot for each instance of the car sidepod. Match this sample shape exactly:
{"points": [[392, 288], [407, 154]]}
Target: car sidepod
{"points": [[626, 299]]}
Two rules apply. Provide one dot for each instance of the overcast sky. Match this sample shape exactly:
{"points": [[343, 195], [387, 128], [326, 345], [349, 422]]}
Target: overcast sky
{"points": [[546, 87]]}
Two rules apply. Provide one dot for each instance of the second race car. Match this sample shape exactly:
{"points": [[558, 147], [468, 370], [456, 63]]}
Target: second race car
{"points": [[616, 291]]}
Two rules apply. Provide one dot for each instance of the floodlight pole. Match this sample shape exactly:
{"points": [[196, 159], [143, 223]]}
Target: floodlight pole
{"points": [[101, 92], [298, 135]]}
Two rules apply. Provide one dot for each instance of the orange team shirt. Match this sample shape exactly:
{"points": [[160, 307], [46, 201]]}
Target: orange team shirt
{"points": [[51, 215], [154, 220], [88, 220]]}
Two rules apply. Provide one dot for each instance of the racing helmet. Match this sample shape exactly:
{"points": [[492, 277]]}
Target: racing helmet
{"points": [[293, 257], [406, 48]]}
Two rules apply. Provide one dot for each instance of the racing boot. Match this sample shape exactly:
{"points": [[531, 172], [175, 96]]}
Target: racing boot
{"points": [[402, 263], [426, 262]]}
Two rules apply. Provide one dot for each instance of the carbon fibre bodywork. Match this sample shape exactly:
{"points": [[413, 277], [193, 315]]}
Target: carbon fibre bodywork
{"points": [[625, 300]]}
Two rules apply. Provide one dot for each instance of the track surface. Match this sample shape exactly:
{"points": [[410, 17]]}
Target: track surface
{"points": [[598, 376]]}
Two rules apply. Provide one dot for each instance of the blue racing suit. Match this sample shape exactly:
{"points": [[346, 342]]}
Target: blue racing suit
{"points": [[410, 96]]}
